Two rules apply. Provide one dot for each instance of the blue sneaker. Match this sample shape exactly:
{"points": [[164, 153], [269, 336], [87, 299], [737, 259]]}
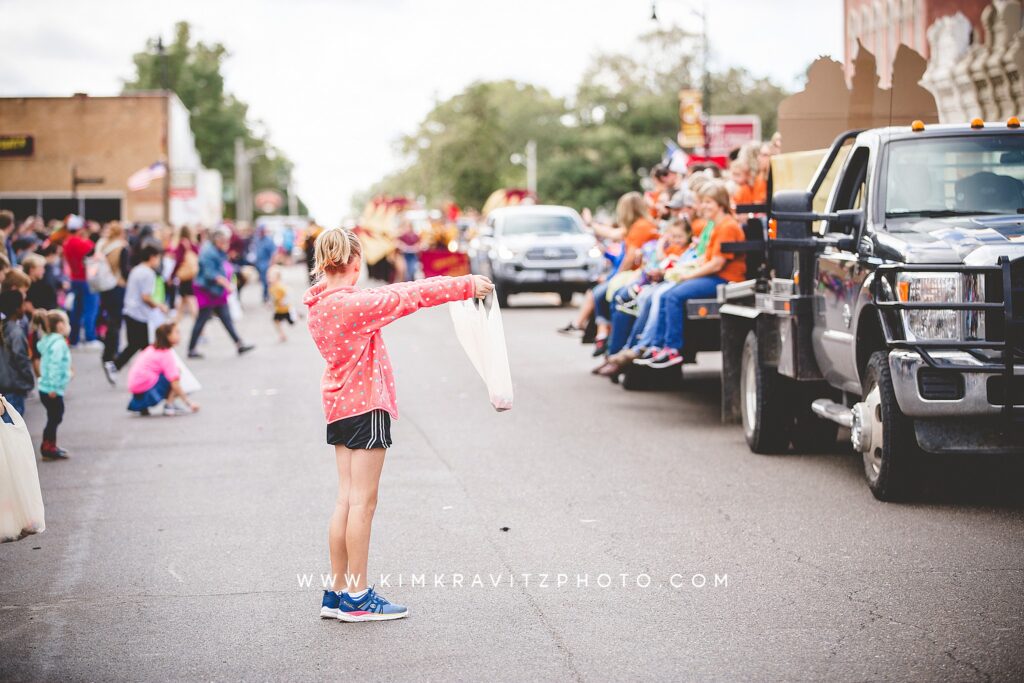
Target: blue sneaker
{"points": [[370, 607], [329, 607]]}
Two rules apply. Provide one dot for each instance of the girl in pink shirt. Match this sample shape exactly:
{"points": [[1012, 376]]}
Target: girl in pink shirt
{"points": [[359, 402], [154, 376]]}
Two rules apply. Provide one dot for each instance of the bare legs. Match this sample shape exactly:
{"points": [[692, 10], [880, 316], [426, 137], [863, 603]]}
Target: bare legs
{"points": [[585, 310], [349, 533]]}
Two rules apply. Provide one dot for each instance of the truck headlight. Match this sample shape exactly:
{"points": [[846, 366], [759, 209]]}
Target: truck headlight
{"points": [[595, 252], [506, 254], [939, 324]]}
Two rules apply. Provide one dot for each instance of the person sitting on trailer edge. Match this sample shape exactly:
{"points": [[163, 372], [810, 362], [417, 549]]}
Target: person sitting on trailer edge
{"points": [[698, 280]]}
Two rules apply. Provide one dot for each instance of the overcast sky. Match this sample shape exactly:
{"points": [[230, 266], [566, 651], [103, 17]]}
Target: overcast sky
{"points": [[337, 81]]}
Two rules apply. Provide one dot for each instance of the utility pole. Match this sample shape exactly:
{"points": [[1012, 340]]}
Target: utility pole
{"points": [[293, 201], [162, 57], [531, 166], [706, 51], [241, 191]]}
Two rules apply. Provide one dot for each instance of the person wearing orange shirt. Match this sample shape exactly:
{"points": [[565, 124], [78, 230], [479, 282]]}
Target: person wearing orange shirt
{"points": [[742, 178], [700, 281], [631, 215]]}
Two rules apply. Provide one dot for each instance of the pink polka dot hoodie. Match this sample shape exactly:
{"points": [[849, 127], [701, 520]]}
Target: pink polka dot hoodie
{"points": [[346, 325]]}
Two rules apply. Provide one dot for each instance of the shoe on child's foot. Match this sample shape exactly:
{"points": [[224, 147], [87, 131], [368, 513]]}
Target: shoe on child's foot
{"points": [[50, 451], [173, 410], [600, 346], [110, 370], [666, 359], [245, 348], [646, 357], [329, 606], [570, 329], [195, 354], [369, 607]]}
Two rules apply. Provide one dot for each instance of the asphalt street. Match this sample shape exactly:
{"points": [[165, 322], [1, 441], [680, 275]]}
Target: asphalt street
{"points": [[597, 534]]}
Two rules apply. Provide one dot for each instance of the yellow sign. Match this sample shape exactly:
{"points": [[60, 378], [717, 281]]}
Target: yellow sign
{"points": [[691, 115]]}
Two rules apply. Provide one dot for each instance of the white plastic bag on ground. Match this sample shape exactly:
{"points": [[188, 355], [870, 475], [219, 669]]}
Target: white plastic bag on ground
{"points": [[483, 338], [21, 500], [189, 383]]}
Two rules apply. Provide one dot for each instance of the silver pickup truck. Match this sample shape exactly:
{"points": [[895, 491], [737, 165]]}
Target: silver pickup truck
{"points": [[536, 249]]}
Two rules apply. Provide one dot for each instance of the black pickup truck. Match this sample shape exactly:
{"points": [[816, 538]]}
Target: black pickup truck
{"points": [[898, 312]]}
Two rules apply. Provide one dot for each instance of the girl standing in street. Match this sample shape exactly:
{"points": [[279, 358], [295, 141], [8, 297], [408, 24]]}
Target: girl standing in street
{"points": [[54, 375], [359, 402]]}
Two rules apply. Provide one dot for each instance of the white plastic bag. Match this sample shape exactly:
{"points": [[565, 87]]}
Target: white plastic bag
{"points": [[21, 500], [189, 383], [235, 307], [483, 338]]}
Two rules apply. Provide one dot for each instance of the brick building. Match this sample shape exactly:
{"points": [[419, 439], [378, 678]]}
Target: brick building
{"points": [[881, 25], [47, 141]]}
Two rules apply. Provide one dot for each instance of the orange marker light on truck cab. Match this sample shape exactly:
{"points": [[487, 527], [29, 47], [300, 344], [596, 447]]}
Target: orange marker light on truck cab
{"points": [[1013, 122], [903, 291], [977, 123], [917, 126], [773, 228]]}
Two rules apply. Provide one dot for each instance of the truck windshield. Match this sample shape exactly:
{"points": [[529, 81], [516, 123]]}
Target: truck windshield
{"points": [[955, 176], [538, 224]]}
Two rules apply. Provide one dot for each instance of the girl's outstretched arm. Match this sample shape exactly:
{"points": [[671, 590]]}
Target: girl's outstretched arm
{"points": [[368, 310]]}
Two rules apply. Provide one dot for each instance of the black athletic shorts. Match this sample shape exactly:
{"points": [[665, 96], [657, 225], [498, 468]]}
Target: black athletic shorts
{"points": [[286, 317], [361, 432]]}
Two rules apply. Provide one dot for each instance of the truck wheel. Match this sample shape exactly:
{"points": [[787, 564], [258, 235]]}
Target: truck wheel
{"points": [[886, 435], [566, 298], [812, 434], [767, 422]]}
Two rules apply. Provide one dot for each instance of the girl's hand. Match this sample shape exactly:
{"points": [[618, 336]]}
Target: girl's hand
{"points": [[482, 286]]}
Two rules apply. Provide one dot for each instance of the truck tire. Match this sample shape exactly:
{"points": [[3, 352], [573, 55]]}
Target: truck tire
{"points": [[566, 298], [764, 407], [812, 434], [892, 456]]}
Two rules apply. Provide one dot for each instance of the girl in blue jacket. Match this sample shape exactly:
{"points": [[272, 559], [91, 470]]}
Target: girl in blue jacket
{"points": [[54, 375]]}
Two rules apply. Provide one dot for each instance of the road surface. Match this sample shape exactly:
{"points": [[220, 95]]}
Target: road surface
{"points": [[599, 535]]}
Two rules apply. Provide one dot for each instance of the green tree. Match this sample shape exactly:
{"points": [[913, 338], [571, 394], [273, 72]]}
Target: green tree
{"points": [[590, 151], [461, 150], [192, 70]]}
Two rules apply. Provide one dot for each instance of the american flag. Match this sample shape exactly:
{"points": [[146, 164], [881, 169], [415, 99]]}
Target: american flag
{"points": [[141, 179]]}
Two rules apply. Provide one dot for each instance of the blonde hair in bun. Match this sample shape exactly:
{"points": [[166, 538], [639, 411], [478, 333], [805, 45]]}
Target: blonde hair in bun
{"points": [[335, 251]]}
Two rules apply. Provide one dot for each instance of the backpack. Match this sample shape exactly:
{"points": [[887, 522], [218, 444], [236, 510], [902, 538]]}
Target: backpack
{"points": [[189, 267], [98, 272]]}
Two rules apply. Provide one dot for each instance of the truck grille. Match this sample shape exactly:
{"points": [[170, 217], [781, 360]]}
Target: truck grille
{"points": [[998, 324], [551, 254]]}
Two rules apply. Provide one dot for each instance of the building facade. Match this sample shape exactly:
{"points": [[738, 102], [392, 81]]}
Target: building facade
{"points": [[882, 25], [61, 155]]}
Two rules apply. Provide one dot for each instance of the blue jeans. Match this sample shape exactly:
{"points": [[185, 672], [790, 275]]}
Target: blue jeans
{"points": [[622, 323], [647, 322], [412, 260], [17, 401], [602, 309], [83, 313], [672, 314]]}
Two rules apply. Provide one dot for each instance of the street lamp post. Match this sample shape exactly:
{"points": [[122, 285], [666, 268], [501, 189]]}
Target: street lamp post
{"points": [[529, 160], [243, 179]]}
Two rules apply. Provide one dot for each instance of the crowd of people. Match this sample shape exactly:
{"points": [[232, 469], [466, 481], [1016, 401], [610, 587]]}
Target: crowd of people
{"points": [[665, 248], [122, 290]]}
